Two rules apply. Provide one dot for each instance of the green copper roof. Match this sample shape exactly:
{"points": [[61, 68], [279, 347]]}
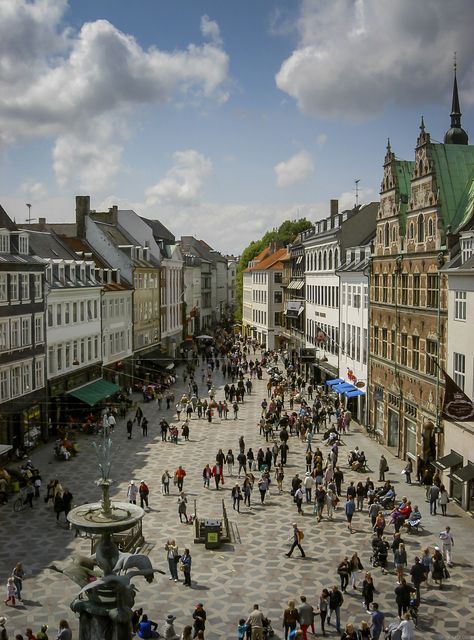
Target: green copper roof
{"points": [[454, 170], [404, 171]]}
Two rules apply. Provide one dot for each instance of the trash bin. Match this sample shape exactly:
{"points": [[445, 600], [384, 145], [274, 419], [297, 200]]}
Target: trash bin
{"points": [[212, 533]]}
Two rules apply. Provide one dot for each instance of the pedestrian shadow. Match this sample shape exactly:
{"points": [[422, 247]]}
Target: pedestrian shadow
{"points": [[199, 587]]}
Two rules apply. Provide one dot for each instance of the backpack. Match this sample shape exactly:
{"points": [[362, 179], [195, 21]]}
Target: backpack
{"points": [[300, 535]]}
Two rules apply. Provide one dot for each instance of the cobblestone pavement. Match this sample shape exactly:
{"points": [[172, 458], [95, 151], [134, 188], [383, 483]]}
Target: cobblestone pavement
{"points": [[253, 568]]}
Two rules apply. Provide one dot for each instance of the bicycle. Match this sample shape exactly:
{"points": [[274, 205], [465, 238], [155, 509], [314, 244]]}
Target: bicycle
{"points": [[21, 502]]}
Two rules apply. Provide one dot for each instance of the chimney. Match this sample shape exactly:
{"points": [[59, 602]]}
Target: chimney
{"points": [[83, 207], [42, 224], [334, 207], [114, 214]]}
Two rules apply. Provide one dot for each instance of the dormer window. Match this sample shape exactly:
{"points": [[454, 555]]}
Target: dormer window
{"points": [[466, 248], [4, 241], [23, 245]]}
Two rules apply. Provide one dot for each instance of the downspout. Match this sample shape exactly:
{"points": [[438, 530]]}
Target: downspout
{"points": [[398, 269], [368, 273], [440, 260]]}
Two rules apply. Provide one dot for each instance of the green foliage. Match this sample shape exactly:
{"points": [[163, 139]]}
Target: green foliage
{"points": [[285, 234]]}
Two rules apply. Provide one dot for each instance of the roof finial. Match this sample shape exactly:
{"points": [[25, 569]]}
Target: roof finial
{"points": [[455, 63], [389, 148], [456, 134], [422, 125]]}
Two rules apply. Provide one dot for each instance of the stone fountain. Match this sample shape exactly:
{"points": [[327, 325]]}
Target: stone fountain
{"points": [[106, 600]]}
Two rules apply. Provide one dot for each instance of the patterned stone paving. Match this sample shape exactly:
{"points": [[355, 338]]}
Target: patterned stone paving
{"points": [[229, 580]]}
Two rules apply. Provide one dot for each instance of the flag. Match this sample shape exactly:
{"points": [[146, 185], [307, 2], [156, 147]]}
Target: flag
{"points": [[456, 405], [320, 336]]}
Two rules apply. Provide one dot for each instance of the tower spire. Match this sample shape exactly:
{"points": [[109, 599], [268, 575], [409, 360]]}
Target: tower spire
{"points": [[456, 134]]}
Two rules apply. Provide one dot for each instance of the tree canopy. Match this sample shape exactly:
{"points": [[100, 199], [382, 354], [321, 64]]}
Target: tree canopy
{"points": [[283, 235]]}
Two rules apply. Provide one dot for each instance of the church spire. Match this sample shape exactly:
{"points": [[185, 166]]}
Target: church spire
{"points": [[456, 134]]}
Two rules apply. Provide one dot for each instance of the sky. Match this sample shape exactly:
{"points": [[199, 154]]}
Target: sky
{"points": [[220, 118]]}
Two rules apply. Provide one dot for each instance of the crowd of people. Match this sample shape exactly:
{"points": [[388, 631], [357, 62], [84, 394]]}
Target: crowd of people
{"points": [[295, 410]]}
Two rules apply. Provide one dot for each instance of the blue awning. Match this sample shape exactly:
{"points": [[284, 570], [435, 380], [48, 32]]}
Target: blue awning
{"points": [[353, 394], [329, 383], [345, 387]]}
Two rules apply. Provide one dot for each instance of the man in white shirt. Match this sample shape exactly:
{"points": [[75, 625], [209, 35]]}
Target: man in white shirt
{"points": [[256, 620], [447, 539]]}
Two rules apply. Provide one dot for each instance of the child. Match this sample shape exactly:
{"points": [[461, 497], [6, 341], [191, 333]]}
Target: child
{"points": [[242, 629], [11, 591]]}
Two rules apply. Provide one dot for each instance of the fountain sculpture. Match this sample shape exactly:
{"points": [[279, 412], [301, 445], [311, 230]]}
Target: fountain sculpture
{"points": [[106, 600]]}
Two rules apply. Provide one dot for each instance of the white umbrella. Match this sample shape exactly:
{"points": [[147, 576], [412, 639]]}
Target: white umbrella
{"points": [[204, 337]]}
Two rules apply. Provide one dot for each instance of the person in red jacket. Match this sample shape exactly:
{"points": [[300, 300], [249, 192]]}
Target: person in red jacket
{"points": [[143, 491]]}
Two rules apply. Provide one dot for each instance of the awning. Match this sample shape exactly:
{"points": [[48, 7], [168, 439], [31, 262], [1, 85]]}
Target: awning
{"points": [[93, 392], [5, 448], [353, 394], [465, 474], [345, 387], [451, 460], [336, 381], [296, 284]]}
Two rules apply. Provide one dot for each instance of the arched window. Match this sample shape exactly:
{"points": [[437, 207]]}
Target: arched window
{"points": [[386, 241], [421, 228], [319, 261], [336, 258], [330, 261], [420, 167], [410, 231], [430, 227], [325, 261]]}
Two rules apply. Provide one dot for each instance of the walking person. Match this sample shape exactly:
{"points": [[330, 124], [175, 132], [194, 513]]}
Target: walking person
{"points": [[383, 468], [256, 621], [230, 462], [402, 596], [165, 483], [263, 485], [377, 621], [443, 499], [236, 497], [350, 510], [368, 590], [11, 592], [143, 491], [323, 608], [447, 540], [242, 460], [343, 571], [182, 507], [408, 471], [298, 537], [173, 558], [400, 561], [18, 575], [129, 429], [335, 603], [433, 495], [290, 618], [355, 565], [247, 491], [180, 475], [132, 492], [144, 426], [306, 617]]}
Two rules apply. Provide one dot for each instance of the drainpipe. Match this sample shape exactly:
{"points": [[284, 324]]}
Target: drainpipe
{"points": [[440, 260], [368, 273], [398, 270]]}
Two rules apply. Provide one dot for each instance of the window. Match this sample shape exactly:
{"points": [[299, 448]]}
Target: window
{"points": [[416, 289], [277, 297], [349, 295], [39, 332], [410, 437], [358, 344], [431, 357], [4, 242], [3, 287], [14, 333], [394, 288], [460, 305], [14, 286], [278, 277], [393, 345], [403, 349], [74, 311], [384, 342], [89, 310], [459, 369], [59, 315], [466, 249], [50, 315], [420, 227], [376, 287], [23, 245], [386, 235], [430, 228], [15, 381], [67, 313], [26, 375], [356, 297], [404, 288], [67, 355], [39, 374], [432, 291], [59, 358], [83, 311], [364, 347], [384, 287], [277, 318], [25, 331], [366, 296], [25, 286], [4, 337], [4, 395], [89, 349], [376, 341], [415, 354], [38, 284]]}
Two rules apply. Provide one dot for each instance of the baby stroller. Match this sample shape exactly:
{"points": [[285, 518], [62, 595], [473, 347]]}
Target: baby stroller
{"points": [[413, 608], [379, 553], [267, 629], [391, 632]]}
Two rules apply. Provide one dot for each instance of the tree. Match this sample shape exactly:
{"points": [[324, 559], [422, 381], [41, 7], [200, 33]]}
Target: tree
{"points": [[284, 235]]}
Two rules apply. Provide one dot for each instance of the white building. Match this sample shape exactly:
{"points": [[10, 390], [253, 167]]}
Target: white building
{"points": [[459, 435], [262, 315], [353, 328]]}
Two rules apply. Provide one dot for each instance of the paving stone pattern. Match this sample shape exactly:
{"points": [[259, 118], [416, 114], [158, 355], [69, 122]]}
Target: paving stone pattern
{"points": [[253, 568]]}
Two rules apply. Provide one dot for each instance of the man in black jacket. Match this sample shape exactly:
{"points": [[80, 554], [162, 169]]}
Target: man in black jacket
{"points": [[418, 575], [335, 604]]}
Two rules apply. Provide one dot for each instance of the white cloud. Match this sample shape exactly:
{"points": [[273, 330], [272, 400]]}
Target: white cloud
{"points": [[183, 183], [210, 29], [34, 190], [347, 199], [296, 169], [356, 58], [65, 84]]}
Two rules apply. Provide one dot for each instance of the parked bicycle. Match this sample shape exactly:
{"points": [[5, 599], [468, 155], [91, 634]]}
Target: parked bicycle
{"points": [[22, 501]]}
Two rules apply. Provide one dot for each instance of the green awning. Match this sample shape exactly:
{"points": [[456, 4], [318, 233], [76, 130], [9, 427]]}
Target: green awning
{"points": [[92, 393]]}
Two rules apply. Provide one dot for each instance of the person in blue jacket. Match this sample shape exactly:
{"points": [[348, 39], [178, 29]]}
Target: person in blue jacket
{"points": [[147, 628]]}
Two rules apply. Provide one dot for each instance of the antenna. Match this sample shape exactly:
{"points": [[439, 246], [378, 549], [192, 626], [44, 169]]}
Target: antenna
{"points": [[29, 219], [356, 190]]}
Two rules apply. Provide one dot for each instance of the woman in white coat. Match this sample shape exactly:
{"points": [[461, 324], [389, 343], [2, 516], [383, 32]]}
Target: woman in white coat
{"points": [[407, 627]]}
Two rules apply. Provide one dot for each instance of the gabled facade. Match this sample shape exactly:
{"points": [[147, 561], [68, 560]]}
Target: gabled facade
{"points": [[421, 204], [23, 407]]}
